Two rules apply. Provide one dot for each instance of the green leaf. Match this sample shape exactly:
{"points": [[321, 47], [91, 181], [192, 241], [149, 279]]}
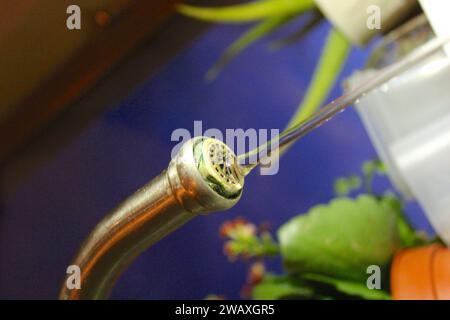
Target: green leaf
{"points": [[341, 239], [373, 166], [313, 21], [369, 169], [409, 237], [257, 32], [281, 287], [248, 11], [331, 62], [313, 286], [343, 186], [351, 288]]}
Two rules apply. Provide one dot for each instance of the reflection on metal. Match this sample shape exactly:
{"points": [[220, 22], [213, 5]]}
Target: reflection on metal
{"points": [[186, 189]]}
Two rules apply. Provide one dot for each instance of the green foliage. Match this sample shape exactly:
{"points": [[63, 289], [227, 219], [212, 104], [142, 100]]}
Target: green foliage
{"points": [[252, 246], [370, 169], [248, 11], [313, 20], [255, 33], [274, 14], [343, 186], [331, 61], [350, 288], [313, 286], [330, 64], [245, 241], [326, 252], [341, 239], [282, 287], [408, 236]]}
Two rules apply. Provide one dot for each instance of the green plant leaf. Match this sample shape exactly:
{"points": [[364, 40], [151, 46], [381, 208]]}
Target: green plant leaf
{"points": [[409, 237], [350, 288], [373, 166], [332, 59], [369, 169], [257, 32], [343, 186], [313, 286], [281, 287], [248, 11], [341, 239], [313, 21]]}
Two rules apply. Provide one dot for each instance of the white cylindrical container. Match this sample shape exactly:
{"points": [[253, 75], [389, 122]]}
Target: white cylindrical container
{"points": [[408, 121]]}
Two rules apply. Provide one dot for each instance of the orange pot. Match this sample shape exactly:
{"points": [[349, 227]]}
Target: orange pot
{"points": [[421, 274]]}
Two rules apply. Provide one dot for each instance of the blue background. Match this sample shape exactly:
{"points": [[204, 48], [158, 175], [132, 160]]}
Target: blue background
{"points": [[46, 217]]}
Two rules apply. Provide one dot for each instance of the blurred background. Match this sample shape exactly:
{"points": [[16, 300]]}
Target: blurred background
{"points": [[86, 118]]}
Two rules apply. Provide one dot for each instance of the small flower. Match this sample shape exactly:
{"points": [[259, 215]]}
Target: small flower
{"points": [[229, 252], [256, 273], [236, 228], [246, 230], [246, 291]]}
